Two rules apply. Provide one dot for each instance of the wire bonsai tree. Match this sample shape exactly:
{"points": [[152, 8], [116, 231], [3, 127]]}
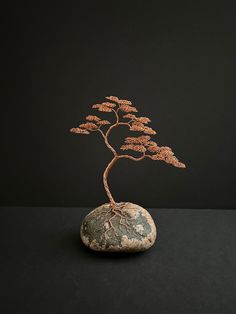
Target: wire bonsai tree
{"points": [[125, 115]]}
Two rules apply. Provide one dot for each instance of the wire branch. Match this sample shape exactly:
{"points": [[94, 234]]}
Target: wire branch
{"points": [[116, 124], [133, 158], [107, 142], [116, 114]]}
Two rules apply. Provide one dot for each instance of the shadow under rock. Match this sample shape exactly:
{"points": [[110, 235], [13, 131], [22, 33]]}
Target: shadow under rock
{"points": [[72, 243]]}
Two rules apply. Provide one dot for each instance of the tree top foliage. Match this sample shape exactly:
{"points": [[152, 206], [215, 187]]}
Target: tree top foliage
{"points": [[125, 114]]}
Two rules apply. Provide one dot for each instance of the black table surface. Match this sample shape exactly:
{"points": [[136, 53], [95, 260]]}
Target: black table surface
{"points": [[45, 269]]}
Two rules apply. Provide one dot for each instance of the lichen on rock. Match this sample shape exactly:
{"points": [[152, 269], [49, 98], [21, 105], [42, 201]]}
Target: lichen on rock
{"points": [[127, 227]]}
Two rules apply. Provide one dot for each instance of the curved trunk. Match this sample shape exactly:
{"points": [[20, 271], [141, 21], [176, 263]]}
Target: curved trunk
{"points": [[105, 176]]}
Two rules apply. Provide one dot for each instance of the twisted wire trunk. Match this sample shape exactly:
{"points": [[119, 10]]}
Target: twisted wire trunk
{"points": [[105, 176], [116, 156]]}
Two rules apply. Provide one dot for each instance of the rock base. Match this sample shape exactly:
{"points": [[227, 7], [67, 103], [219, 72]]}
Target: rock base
{"points": [[126, 228]]}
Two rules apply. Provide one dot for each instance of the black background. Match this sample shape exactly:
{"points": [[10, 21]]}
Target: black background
{"points": [[174, 60]]}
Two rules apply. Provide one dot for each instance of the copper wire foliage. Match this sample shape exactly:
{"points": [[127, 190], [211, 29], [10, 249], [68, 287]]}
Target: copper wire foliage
{"points": [[124, 112]]}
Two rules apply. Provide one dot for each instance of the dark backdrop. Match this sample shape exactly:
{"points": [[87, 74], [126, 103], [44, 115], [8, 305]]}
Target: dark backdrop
{"points": [[175, 61]]}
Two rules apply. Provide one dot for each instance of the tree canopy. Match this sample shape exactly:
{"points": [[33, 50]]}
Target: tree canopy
{"points": [[125, 113]]}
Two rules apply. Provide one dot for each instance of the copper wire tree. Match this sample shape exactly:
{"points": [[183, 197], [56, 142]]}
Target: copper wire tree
{"points": [[125, 114]]}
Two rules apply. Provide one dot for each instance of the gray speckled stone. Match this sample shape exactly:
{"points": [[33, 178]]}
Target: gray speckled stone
{"points": [[130, 228]]}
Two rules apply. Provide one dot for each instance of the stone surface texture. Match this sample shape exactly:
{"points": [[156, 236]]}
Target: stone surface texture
{"points": [[126, 228]]}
